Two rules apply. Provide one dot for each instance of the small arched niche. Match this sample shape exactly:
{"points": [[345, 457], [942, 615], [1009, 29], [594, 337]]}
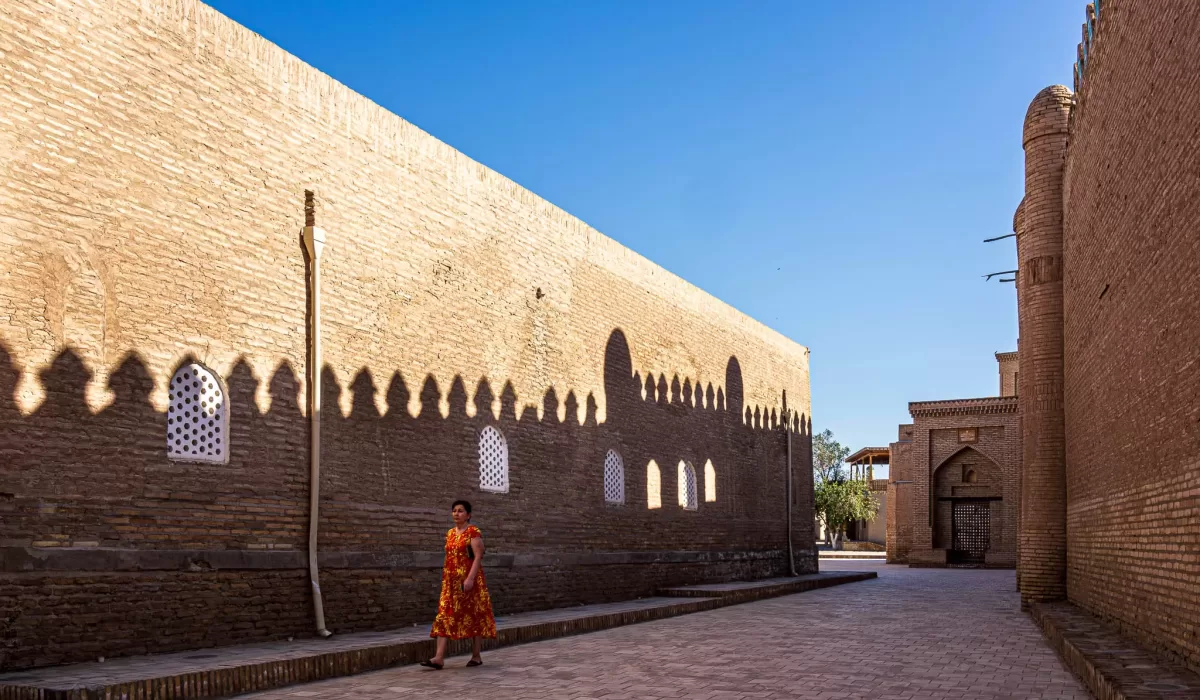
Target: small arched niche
{"points": [[653, 486]]}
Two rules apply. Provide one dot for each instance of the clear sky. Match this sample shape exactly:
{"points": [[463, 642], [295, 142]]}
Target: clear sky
{"points": [[827, 168]]}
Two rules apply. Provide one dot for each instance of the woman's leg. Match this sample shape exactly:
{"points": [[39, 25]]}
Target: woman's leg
{"points": [[476, 647], [440, 657]]}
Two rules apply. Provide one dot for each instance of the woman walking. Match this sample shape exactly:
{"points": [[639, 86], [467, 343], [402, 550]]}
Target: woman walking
{"points": [[465, 608]]}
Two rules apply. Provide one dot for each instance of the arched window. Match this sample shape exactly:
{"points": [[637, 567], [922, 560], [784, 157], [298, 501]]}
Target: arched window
{"points": [[710, 482], [614, 478], [197, 416], [493, 461], [653, 486], [687, 486]]}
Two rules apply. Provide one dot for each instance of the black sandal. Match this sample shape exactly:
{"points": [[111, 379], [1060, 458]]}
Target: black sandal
{"points": [[475, 662], [428, 663]]}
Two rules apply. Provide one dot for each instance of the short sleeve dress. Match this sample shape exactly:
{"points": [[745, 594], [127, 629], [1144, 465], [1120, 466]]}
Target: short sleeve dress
{"points": [[463, 615]]}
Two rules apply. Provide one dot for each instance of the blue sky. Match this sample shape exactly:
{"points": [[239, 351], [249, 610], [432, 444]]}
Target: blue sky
{"points": [[828, 168]]}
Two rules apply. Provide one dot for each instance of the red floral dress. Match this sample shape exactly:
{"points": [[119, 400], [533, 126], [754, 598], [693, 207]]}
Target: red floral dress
{"points": [[463, 615]]}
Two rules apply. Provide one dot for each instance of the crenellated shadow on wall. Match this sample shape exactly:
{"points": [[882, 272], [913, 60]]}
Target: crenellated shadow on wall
{"points": [[98, 492], [63, 449]]}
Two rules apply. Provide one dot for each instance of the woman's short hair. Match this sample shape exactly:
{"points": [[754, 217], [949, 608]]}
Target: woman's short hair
{"points": [[465, 504]]}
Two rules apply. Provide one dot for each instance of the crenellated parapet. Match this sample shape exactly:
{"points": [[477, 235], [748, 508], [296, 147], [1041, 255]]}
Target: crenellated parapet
{"points": [[1085, 50]]}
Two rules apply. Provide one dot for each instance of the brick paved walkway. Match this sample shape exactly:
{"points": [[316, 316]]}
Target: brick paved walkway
{"points": [[229, 670], [911, 633]]}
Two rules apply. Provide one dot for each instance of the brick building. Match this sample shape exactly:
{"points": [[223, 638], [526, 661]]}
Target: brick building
{"points": [[953, 481], [862, 466], [1109, 304], [1107, 462], [170, 180]]}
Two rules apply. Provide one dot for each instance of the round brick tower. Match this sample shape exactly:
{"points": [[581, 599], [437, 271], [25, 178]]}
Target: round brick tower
{"points": [[1043, 522], [1018, 227]]}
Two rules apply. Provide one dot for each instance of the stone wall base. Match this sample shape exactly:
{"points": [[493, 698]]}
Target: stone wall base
{"points": [[927, 558]]}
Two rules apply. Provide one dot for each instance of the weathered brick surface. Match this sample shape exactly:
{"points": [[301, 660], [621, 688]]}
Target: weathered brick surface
{"points": [[155, 158], [76, 616], [1132, 326]]}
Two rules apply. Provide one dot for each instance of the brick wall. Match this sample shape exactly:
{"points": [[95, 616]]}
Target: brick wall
{"points": [[155, 158], [945, 435], [1132, 285], [899, 515], [1007, 362]]}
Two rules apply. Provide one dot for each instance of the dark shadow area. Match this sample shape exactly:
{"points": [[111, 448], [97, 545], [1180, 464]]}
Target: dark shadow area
{"points": [[74, 479]]}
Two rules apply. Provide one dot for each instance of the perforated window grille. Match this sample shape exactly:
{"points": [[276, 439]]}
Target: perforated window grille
{"points": [[710, 482], [197, 416], [972, 526], [653, 486], [614, 478], [687, 486], [493, 461]]}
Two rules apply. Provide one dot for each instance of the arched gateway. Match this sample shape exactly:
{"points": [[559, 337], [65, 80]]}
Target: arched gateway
{"points": [[966, 489], [953, 483]]}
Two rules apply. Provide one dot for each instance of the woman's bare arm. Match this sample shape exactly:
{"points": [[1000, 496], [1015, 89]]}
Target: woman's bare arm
{"points": [[477, 547]]}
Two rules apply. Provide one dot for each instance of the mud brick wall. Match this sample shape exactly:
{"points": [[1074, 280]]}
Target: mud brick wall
{"points": [[1132, 335], [155, 158]]}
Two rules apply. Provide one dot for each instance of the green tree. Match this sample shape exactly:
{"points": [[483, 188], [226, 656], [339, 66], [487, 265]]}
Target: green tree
{"points": [[837, 499], [828, 457], [840, 501]]}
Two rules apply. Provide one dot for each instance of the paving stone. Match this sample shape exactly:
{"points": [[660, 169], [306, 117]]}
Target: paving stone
{"points": [[228, 670], [911, 633]]}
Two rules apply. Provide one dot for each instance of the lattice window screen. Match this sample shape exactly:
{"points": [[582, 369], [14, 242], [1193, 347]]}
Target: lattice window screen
{"points": [[972, 528], [197, 416], [687, 486], [614, 478], [493, 461]]}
